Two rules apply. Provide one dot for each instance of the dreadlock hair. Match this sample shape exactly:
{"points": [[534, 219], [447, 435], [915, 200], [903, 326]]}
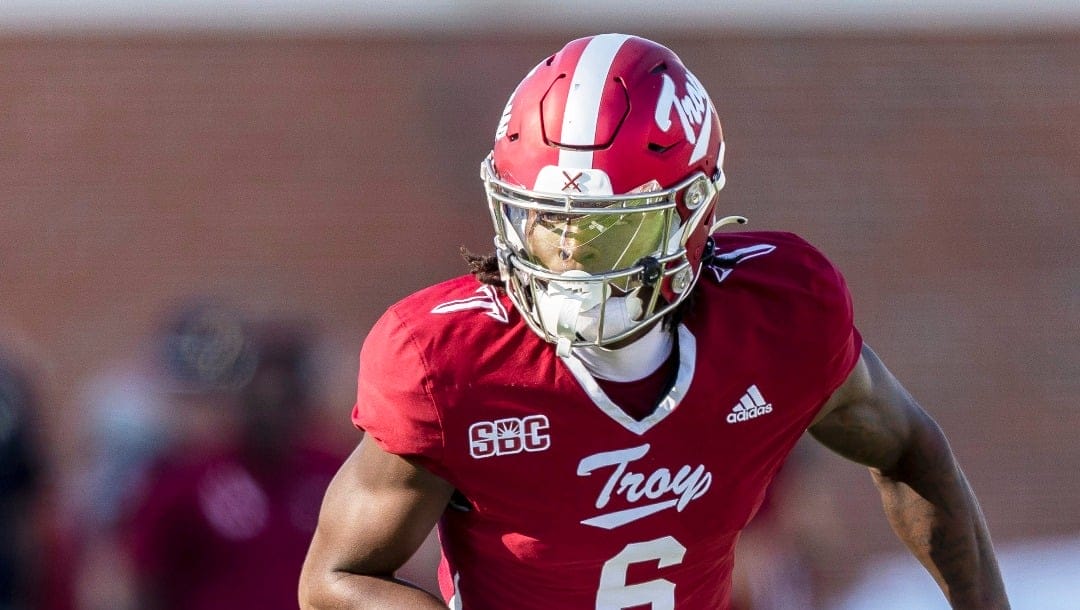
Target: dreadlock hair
{"points": [[485, 268]]}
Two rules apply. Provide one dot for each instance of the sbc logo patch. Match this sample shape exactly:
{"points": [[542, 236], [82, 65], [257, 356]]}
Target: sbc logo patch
{"points": [[508, 436]]}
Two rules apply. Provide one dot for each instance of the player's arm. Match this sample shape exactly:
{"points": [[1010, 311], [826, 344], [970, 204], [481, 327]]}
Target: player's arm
{"points": [[378, 510], [871, 419]]}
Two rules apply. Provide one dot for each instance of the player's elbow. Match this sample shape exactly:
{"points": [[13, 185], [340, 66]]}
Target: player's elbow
{"points": [[925, 464], [307, 591], [316, 588]]}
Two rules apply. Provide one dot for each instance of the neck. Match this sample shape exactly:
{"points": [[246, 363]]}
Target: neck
{"points": [[631, 362]]}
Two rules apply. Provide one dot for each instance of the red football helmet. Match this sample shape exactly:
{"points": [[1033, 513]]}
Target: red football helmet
{"points": [[602, 185]]}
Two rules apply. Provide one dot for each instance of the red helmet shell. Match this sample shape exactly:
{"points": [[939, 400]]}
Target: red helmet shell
{"points": [[621, 104]]}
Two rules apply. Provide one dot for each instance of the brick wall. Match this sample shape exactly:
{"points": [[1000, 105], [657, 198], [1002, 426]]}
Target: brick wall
{"points": [[327, 177]]}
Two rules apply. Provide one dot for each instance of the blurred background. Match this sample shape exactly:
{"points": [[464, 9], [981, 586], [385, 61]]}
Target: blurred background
{"points": [[205, 205]]}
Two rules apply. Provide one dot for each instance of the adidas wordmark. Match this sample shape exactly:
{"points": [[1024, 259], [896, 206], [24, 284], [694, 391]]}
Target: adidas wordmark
{"points": [[751, 405]]}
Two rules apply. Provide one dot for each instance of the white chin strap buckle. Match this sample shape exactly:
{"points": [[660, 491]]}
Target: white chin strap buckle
{"points": [[562, 347]]}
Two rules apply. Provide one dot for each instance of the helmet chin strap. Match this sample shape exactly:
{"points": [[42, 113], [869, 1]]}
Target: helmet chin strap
{"points": [[570, 311]]}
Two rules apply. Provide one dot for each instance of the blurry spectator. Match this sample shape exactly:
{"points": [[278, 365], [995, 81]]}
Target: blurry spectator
{"points": [[200, 351], [135, 411], [227, 514], [20, 482], [125, 425]]}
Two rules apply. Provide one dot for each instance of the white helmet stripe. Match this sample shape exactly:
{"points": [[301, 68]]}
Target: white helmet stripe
{"points": [[583, 103]]}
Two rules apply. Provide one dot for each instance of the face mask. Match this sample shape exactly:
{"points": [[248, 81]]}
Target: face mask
{"points": [[569, 310]]}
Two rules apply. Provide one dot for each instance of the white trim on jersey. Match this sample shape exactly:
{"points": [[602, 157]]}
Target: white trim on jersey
{"points": [[455, 599], [583, 102], [687, 361]]}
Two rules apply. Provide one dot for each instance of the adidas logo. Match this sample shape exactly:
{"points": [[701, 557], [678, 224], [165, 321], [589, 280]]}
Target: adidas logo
{"points": [[751, 405]]}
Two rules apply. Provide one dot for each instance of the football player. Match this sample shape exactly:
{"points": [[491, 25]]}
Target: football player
{"points": [[595, 413]]}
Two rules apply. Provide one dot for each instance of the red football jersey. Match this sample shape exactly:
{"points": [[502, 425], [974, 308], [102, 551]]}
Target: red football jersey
{"points": [[572, 503]]}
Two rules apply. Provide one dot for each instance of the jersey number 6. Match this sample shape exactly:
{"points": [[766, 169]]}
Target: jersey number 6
{"points": [[615, 594]]}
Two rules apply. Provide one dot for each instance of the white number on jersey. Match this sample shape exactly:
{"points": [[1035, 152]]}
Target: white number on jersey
{"points": [[615, 594]]}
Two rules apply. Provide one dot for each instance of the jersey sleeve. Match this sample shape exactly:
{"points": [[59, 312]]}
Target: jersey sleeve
{"points": [[839, 337], [394, 401], [848, 347]]}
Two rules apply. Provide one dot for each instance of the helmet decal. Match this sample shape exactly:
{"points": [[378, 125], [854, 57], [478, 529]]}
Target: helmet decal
{"points": [[554, 179], [504, 120], [691, 109]]}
